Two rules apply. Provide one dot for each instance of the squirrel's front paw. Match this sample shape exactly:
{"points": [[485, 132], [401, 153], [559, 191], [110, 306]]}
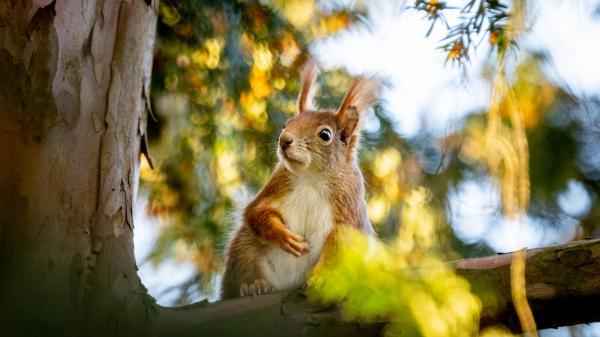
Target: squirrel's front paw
{"points": [[258, 287], [294, 243]]}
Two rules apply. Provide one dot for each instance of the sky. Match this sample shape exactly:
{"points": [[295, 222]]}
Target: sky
{"points": [[427, 92]]}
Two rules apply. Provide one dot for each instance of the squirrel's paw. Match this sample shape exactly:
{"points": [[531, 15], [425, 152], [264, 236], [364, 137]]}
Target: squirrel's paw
{"points": [[258, 287], [294, 243]]}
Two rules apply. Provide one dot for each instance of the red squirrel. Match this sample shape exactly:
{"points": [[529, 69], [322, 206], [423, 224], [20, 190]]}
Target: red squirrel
{"points": [[315, 188]]}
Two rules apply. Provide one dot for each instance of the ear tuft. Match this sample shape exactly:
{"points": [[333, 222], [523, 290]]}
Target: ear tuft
{"points": [[308, 74], [361, 96]]}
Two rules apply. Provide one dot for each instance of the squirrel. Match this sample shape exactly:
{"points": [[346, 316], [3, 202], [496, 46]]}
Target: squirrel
{"points": [[315, 188]]}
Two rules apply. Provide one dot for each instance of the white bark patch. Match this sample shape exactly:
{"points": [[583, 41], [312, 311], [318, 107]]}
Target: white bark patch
{"points": [[73, 23], [114, 93], [104, 36]]}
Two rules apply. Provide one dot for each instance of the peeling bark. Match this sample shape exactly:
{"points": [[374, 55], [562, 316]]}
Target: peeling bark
{"points": [[563, 288]]}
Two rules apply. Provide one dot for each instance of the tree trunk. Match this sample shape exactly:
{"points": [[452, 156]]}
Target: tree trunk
{"points": [[74, 84]]}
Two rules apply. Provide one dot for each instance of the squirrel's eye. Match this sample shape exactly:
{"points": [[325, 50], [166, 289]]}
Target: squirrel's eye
{"points": [[325, 134]]}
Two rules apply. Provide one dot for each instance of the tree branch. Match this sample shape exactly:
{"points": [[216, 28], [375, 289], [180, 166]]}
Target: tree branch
{"points": [[563, 288], [563, 285]]}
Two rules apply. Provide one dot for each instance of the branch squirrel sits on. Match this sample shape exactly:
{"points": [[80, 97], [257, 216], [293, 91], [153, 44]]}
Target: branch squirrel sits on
{"points": [[315, 188]]}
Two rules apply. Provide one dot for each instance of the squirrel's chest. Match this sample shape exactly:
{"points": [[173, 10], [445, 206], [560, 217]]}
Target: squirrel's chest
{"points": [[306, 211]]}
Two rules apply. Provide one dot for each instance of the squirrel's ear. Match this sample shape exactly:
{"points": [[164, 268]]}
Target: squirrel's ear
{"points": [[308, 74], [359, 98]]}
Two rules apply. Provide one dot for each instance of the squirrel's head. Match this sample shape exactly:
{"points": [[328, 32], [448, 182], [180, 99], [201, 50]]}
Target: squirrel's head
{"points": [[317, 139]]}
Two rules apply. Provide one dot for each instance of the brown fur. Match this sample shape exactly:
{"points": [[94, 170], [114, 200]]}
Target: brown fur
{"points": [[333, 162]]}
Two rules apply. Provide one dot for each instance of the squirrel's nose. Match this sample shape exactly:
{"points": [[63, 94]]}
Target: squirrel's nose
{"points": [[285, 140]]}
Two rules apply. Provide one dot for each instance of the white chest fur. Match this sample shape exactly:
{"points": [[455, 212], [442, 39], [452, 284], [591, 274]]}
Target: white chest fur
{"points": [[306, 211]]}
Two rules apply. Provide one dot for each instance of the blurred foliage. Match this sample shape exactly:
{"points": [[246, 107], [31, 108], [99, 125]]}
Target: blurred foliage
{"points": [[554, 126], [405, 282], [505, 149], [225, 80]]}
